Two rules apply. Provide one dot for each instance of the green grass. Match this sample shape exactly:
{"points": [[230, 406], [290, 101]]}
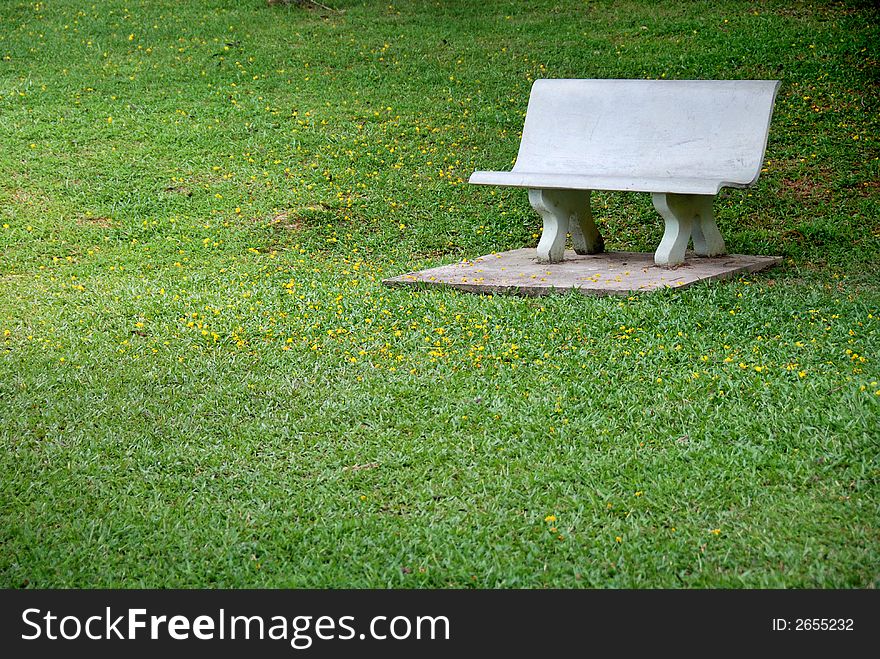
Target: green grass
{"points": [[204, 383]]}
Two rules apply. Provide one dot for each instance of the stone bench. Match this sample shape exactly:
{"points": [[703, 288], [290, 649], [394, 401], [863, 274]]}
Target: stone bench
{"points": [[681, 140]]}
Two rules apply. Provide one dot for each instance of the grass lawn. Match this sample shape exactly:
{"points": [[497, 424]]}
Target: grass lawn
{"points": [[204, 383]]}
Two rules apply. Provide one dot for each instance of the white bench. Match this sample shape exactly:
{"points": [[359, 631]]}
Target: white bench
{"points": [[682, 140]]}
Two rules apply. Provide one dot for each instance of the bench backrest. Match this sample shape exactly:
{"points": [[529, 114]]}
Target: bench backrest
{"points": [[666, 129]]}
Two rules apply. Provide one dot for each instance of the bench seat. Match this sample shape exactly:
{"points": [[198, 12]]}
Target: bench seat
{"points": [[680, 140], [520, 179]]}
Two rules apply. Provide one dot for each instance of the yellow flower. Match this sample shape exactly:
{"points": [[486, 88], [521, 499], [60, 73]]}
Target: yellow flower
{"points": [[550, 518]]}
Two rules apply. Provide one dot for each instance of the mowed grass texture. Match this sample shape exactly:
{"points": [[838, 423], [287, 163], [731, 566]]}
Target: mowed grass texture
{"points": [[203, 382]]}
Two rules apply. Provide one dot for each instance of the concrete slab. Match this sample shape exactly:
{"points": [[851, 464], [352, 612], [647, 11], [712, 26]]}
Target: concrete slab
{"points": [[611, 273]]}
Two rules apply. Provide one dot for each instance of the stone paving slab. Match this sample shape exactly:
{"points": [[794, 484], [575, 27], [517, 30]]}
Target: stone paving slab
{"points": [[611, 273]]}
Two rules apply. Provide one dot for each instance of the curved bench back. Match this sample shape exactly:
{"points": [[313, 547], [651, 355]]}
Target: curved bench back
{"points": [[647, 130]]}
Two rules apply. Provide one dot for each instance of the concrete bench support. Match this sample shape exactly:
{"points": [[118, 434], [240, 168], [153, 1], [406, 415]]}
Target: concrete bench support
{"points": [[564, 212], [687, 216]]}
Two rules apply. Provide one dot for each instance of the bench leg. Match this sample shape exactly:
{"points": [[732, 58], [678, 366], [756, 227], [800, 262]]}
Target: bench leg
{"points": [[706, 236], [564, 211], [686, 216], [585, 236]]}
